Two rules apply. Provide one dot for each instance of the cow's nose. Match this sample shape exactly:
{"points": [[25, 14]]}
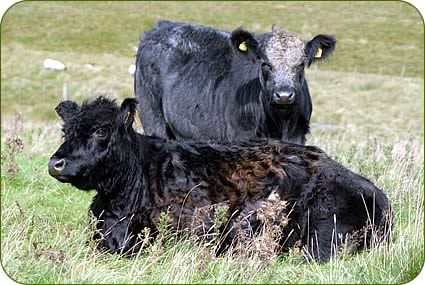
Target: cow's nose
{"points": [[286, 96], [56, 166]]}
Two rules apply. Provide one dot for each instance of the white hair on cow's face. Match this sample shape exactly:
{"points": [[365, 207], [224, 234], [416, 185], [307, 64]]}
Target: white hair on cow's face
{"points": [[285, 51]]}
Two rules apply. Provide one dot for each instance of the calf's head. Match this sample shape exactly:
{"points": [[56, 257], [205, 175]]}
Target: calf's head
{"points": [[93, 135], [282, 56]]}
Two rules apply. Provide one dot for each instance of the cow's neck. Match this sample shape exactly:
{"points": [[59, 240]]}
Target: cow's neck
{"points": [[249, 103], [288, 124], [124, 175]]}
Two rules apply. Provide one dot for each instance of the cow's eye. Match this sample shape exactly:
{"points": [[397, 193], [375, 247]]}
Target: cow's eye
{"points": [[100, 133], [266, 69]]}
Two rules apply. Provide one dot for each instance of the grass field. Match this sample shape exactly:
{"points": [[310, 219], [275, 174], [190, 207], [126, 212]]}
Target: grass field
{"points": [[368, 115]]}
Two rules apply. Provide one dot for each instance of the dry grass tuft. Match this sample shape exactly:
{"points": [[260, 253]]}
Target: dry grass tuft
{"points": [[14, 145]]}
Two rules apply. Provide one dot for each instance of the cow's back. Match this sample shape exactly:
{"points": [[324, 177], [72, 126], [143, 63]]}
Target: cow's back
{"points": [[187, 85], [176, 45]]}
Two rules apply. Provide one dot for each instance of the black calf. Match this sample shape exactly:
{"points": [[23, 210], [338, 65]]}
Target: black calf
{"points": [[299, 190]]}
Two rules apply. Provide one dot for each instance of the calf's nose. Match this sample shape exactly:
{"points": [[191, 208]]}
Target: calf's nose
{"points": [[56, 166]]}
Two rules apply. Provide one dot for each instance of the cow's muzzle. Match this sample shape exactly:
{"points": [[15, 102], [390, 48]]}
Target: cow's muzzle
{"points": [[284, 96]]}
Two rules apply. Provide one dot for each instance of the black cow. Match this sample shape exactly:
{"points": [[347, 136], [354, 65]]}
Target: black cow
{"points": [[312, 200], [194, 82]]}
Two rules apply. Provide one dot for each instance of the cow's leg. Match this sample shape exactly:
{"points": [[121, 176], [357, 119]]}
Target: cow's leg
{"points": [[321, 241], [151, 114], [113, 234], [152, 117], [149, 92]]}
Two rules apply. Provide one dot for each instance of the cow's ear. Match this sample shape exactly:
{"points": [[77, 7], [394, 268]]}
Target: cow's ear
{"points": [[320, 48], [244, 44], [67, 109], [127, 111]]}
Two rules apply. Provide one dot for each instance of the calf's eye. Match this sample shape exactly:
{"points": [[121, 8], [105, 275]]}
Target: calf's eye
{"points": [[100, 133]]}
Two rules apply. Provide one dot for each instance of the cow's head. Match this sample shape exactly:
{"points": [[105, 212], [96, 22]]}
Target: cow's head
{"points": [[95, 136], [282, 57]]}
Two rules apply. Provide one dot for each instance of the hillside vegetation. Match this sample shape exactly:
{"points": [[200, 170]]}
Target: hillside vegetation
{"points": [[373, 37]]}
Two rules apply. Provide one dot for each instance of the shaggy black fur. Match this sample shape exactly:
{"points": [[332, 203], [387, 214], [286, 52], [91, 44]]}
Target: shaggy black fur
{"points": [[137, 177], [194, 82]]}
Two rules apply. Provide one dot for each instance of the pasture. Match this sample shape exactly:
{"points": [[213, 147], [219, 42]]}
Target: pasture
{"points": [[368, 114]]}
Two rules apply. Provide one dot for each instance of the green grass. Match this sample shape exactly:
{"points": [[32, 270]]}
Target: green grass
{"points": [[372, 37], [376, 129], [371, 34], [45, 228]]}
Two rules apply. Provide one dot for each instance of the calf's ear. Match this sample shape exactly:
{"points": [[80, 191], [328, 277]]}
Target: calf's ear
{"points": [[320, 48], [244, 44], [127, 112], [67, 109]]}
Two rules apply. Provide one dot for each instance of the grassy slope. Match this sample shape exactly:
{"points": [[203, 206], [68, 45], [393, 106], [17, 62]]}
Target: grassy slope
{"points": [[370, 35], [44, 223]]}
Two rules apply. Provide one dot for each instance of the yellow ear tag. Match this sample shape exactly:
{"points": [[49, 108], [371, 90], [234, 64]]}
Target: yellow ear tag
{"points": [[319, 53], [242, 46], [126, 119]]}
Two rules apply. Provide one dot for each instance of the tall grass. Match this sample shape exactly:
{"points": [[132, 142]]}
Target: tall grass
{"points": [[45, 228]]}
